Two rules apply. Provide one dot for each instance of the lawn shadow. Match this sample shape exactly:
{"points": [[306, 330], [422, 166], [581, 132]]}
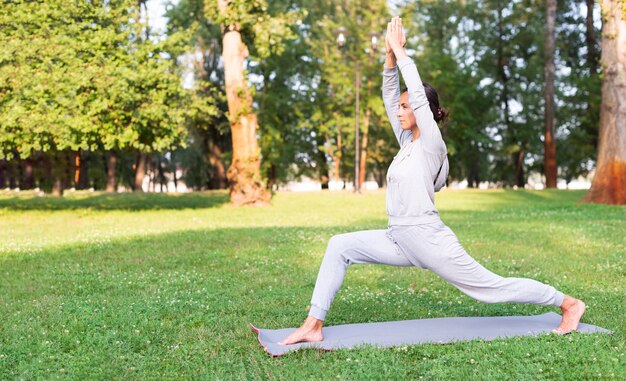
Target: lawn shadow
{"points": [[117, 201], [188, 297]]}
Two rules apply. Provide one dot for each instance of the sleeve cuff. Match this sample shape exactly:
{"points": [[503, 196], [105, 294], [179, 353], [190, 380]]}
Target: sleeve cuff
{"points": [[390, 70]]}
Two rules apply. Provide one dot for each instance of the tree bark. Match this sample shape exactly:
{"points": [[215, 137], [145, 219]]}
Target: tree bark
{"points": [[244, 174], [473, 177], [3, 165], [518, 158], [364, 142], [549, 158], [609, 182], [218, 177], [58, 170], [590, 39], [140, 171], [174, 175], [28, 180], [321, 162], [336, 155], [77, 168], [83, 179], [111, 164], [502, 62]]}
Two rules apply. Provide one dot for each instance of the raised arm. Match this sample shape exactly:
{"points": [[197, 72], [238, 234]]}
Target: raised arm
{"points": [[429, 131], [391, 92], [391, 99]]}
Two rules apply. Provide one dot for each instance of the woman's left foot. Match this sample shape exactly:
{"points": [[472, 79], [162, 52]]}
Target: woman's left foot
{"points": [[573, 310], [310, 331]]}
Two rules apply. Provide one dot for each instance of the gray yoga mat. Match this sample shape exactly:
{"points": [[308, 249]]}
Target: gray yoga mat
{"points": [[437, 330]]}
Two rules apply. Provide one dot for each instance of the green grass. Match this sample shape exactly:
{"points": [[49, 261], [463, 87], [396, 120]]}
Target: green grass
{"points": [[158, 286]]}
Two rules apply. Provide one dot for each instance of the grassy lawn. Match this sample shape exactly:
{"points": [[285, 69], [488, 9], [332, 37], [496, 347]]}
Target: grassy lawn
{"points": [[163, 286]]}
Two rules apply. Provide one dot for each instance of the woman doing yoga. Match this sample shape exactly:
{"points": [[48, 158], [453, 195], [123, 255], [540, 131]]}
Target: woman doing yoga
{"points": [[416, 236]]}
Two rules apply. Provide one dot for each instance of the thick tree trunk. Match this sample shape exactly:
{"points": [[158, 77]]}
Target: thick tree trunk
{"points": [[111, 164], [609, 182], [590, 39], [549, 158], [244, 174], [140, 171]]}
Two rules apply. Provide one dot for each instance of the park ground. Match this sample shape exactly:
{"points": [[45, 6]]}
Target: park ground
{"points": [[152, 286]]}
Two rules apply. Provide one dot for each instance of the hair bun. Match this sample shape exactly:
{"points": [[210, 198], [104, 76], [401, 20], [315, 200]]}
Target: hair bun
{"points": [[442, 114]]}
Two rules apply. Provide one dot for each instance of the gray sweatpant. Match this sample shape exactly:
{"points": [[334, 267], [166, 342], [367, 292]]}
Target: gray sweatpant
{"points": [[430, 246]]}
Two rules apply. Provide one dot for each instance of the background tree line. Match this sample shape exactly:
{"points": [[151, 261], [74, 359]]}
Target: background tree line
{"points": [[90, 98]]}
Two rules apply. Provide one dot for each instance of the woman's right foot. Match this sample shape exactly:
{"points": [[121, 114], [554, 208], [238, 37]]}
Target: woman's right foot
{"points": [[310, 331], [573, 310]]}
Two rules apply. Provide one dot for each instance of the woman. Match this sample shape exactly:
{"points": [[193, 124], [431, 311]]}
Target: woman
{"points": [[416, 236]]}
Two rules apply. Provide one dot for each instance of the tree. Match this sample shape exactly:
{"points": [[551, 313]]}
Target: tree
{"points": [[75, 78], [204, 159], [609, 182], [549, 161], [244, 23]]}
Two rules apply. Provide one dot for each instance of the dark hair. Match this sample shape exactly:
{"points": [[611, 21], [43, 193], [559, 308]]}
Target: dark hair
{"points": [[439, 113]]}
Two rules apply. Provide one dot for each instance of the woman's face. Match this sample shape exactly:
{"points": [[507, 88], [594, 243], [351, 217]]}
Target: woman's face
{"points": [[405, 113]]}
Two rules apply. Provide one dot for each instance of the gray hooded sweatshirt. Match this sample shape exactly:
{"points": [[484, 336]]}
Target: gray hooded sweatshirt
{"points": [[421, 167]]}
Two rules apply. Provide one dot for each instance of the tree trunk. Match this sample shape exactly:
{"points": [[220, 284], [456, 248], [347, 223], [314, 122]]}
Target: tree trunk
{"points": [[590, 39], [140, 171], [83, 179], [273, 177], [322, 164], [218, 178], [473, 177], [244, 174], [58, 170], [28, 180], [366, 126], [3, 165], [549, 158], [77, 169], [609, 182], [175, 176], [335, 155], [518, 159], [111, 164], [363, 161], [502, 62], [161, 174]]}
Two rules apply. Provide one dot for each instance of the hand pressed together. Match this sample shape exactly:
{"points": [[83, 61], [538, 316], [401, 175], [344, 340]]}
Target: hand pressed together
{"points": [[395, 38]]}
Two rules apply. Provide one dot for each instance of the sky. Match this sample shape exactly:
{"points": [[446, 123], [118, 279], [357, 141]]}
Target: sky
{"points": [[156, 9]]}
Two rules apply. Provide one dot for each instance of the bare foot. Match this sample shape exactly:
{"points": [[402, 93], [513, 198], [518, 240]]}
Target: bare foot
{"points": [[310, 331], [573, 309]]}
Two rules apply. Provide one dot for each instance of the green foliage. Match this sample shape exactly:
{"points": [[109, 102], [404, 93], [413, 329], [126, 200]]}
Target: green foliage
{"points": [[84, 77], [89, 76], [207, 123]]}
